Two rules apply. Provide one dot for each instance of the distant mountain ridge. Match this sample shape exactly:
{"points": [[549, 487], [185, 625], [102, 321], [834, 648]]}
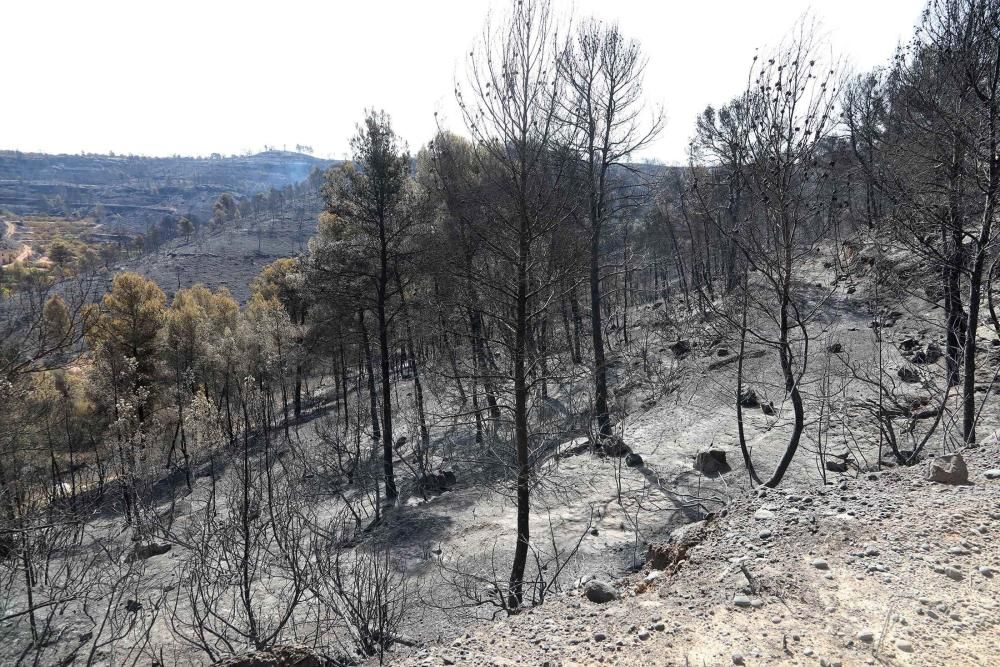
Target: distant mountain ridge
{"points": [[141, 189]]}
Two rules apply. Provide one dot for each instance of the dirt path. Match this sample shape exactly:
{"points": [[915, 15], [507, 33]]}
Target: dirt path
{"points": [[25, 251]]}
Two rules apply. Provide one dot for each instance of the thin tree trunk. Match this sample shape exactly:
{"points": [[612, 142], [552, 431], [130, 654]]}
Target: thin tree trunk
{"points": [[521, 424], [747, 460], [597, 335], [370, 371]]}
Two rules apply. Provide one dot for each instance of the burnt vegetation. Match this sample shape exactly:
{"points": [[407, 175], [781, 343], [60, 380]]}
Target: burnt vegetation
{"points": [[223, 438]]}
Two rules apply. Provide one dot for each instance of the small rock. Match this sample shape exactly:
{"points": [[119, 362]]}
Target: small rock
{"points": [[992, 474], [986, 571], [148, 550], [904, 646], [866, 636], [742, 601], [599, 636], [763, 514], [633, 460], [953, 573], [737, 659], [820, 564]]}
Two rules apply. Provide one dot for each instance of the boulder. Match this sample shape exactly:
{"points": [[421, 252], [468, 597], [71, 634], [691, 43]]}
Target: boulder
{"points": [[615, 446], [633, 460], [908, 374], [836, 466], [711, 461], [681, 348], [599, 591], [948, 469], [748, 399]]}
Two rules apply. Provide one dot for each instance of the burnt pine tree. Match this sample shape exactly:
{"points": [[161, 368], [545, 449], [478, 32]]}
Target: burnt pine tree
{"points": [[372, 197], [604, 115], [788, 105], [926, 133], [510, 108]]}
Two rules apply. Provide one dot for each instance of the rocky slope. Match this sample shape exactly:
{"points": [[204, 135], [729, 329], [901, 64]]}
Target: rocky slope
{"points": [[880, 567]]}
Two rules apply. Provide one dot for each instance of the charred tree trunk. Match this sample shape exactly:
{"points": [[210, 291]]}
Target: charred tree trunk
{"points": [[370, 371]]}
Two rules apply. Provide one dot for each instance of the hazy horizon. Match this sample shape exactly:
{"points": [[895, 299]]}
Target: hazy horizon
{"points": [[231, 78]]}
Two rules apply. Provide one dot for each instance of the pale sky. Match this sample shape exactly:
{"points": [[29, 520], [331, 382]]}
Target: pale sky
{"points": [[194, 77]]}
